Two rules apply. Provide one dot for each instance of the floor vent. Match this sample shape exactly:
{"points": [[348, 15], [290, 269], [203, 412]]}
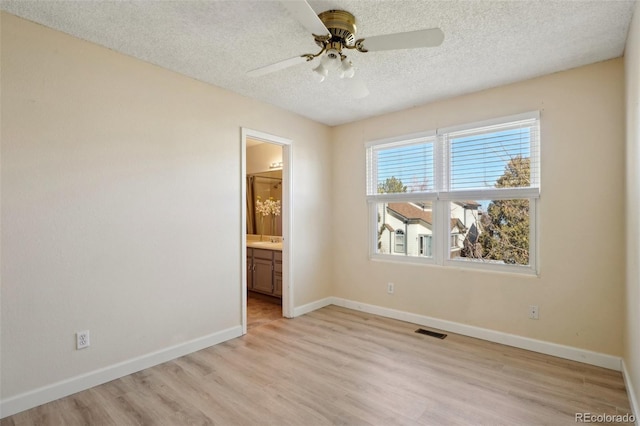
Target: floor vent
{"points": [[431, 333]]}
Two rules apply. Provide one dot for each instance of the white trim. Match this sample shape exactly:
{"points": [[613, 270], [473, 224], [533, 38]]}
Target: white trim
{"points": [[85, 381], [265, 137], [402, 196], [467, 194], [488, 266], [489, 194], [561, 351], [534, 169], [441, 163], [287, 219], [373, 222], [310, 307], [442, 211], [287, 231], [243, 229], [404, 259], [534, 234], [633, 400]]}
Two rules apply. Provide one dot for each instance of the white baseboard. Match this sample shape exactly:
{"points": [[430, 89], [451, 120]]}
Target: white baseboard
{"points": [[70, 386], [554, 349], [309, 307], [631, 392]]}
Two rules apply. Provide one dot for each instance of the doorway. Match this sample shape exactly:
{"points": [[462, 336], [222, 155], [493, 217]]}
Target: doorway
{"points": [[266, 285]]}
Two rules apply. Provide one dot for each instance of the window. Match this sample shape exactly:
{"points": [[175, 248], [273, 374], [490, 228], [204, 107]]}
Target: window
{"points": [[455, 241], [464, 195], [424, 248], [399, 247]]}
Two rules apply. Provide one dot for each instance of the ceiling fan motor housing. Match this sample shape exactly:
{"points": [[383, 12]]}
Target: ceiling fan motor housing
{"points": [[342, 26]]}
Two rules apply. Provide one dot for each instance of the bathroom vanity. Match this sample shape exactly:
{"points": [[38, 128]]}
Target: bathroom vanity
{"points": [[264, 268]]}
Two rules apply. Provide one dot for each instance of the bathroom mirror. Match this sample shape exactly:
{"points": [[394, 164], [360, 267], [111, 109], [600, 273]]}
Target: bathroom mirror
{"points": [[264, 203]]}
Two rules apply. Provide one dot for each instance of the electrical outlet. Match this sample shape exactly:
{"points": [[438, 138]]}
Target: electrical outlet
{"points": [[390, 288], [82, 339], [534, 312]]}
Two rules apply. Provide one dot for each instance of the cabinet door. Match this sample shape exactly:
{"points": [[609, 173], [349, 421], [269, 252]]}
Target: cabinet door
{"points": [[277, 274], [249, 268], [263, 275], [277, 285]]}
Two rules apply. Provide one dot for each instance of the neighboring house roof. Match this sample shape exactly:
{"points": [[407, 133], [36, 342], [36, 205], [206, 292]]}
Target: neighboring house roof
{"points": [[410, 212], [458, 223], [472, 205]]}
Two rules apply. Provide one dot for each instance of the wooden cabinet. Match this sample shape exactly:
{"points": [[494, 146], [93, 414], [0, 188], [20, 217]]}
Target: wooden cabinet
{"points": [[249, 268], [277, 273], [264, 271]]}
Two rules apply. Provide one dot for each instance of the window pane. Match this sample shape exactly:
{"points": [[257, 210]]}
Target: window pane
{"points": [[495, 231], [405, 228], [493, 157], [400, 168]]}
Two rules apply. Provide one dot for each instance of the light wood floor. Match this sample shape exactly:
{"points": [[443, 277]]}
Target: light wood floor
{"points": [[337, 366]]}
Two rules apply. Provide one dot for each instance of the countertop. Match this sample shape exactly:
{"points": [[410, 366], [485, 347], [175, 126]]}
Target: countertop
{"points": [[266, 245]]}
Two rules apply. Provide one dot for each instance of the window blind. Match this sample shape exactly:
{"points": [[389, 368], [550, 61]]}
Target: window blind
{"points": [[498, 156], [401, 167]]}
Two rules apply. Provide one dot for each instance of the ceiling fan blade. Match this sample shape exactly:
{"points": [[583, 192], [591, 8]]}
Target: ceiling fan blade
{"points": [[410, 40], [304, 14], [277, 66]]}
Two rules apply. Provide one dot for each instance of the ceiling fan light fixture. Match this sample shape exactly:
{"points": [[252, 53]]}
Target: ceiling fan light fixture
{"points": [[331, 59], [320, 72], [346, 69]]}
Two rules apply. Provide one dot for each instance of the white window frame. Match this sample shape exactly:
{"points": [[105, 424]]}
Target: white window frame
{"points": [[443, 196]]}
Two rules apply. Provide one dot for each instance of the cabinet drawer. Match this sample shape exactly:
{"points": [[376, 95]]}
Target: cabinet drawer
{"points": [[263, 254], [277, 255], [277, 267]]}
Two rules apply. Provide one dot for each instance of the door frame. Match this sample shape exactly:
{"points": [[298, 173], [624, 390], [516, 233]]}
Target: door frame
{"points": [[287, 219]]}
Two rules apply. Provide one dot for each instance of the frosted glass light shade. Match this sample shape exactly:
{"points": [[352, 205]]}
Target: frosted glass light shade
{"points": [[346, 69], [320, 72], [331, 59]]}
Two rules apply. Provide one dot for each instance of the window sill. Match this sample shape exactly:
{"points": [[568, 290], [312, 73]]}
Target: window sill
{"points": [[458, 265]]}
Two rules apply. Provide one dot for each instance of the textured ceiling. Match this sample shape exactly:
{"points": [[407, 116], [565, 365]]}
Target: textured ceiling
{"points": [[487, 44]]}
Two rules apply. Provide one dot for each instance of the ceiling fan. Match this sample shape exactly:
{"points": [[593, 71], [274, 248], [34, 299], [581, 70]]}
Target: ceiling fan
{"points": [[334, 32]]}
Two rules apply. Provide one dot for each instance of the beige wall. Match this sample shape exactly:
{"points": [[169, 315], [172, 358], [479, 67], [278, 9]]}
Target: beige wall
{"points": [[580, 287], [121, 206], [632, 334]]}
